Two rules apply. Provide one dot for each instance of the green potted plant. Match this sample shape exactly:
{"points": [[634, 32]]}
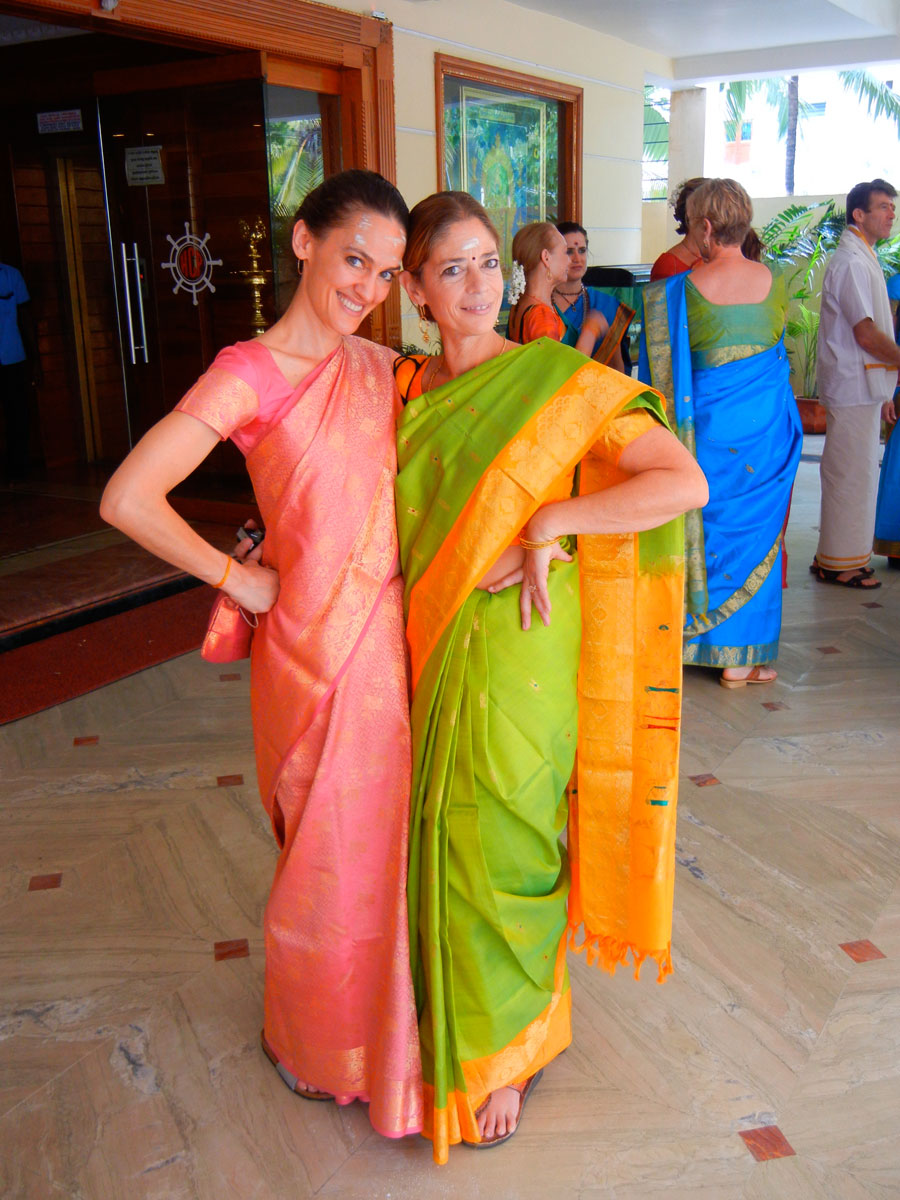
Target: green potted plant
{"points": [[799, 239]]}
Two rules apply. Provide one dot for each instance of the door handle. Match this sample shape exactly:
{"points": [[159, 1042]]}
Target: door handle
{"points": [[133, 261]]}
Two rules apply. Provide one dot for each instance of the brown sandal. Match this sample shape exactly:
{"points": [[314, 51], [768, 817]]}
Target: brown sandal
{"points": [[861, 577], [524, 1089], [753, 677], [290, 1080]]}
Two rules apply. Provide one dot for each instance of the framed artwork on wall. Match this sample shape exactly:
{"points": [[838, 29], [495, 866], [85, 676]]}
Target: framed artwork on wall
{"points": [[512, 141]]}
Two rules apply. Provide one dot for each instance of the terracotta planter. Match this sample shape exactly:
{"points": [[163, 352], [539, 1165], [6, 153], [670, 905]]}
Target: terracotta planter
{"points": [[812, 414]]}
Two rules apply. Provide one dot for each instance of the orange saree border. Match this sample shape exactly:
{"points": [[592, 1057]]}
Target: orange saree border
{"points": [[538, 1044], [629, 713], [512, 488]]}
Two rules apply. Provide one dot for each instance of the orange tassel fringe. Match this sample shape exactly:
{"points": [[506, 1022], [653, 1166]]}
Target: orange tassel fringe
{"points": [[608, 952]]}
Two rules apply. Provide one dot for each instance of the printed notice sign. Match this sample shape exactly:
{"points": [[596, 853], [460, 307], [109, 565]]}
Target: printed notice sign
{"points": [[143, 166], [67, 120]]}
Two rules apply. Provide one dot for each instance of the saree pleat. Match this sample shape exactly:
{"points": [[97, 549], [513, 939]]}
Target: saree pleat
{"points": [[740, 421], [496, 723]]}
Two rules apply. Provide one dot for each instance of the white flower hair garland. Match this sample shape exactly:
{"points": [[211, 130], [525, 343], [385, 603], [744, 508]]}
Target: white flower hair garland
{"points": [[516, 282]]}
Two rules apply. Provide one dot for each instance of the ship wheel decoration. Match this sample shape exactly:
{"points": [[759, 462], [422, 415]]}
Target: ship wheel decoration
{"points": [[191, 263]]}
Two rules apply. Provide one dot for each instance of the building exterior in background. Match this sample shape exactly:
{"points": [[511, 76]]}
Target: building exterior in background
{"points": [[838, 142], [154, 155]]}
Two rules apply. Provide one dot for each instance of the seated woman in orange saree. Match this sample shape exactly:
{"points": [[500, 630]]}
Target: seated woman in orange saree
{"points": [[313, 409]]}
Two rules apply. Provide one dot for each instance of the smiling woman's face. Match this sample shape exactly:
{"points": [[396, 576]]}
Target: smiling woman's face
{"points": [[461, 281], [348, 271]]}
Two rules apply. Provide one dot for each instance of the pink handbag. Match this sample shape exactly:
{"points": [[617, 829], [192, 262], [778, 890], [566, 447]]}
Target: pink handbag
{"points": [[229, 633]]}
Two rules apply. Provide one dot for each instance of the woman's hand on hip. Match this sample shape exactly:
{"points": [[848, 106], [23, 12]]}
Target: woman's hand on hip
{"points": [[253, 586], [535, 573]]}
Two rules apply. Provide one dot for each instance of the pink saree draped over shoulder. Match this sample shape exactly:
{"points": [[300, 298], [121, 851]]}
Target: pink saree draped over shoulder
{"points": [[330, 718]]}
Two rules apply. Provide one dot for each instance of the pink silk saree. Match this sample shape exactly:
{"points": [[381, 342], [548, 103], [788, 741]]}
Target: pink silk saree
{"points": [[330, 704]]}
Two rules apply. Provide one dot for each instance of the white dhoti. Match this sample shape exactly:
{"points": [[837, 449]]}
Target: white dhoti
{"points": [[849, 475]]}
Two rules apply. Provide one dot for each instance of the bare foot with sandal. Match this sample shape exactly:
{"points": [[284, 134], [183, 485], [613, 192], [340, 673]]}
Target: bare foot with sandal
{"points": [[499, 1116], [736, 677], [856, 577]]}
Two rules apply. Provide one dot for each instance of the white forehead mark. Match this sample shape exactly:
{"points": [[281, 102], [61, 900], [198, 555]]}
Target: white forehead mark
{"points": [[396, 241], [364, 222], [358, 239]]}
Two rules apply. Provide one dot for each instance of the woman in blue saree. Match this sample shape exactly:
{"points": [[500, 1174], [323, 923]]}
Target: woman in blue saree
{"points": [[713, 343], [574, 300]]}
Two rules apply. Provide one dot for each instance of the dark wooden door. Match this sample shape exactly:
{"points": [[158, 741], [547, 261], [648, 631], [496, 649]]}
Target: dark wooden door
{"points": [[186, 179]]}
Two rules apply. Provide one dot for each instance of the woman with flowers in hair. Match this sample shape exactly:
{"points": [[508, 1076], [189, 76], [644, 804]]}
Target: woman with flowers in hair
{"points": [[488, 444], [541, 263]]}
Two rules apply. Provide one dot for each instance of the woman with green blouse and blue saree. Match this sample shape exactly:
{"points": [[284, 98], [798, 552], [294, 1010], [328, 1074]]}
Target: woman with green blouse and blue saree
{"points": [[713, 342]]}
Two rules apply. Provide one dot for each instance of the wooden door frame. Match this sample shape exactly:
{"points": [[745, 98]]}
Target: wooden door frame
{"points": [[359, 48]]}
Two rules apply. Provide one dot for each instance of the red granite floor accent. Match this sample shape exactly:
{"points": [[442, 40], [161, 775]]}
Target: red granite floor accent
{"points": [[767, 1142], [230, 677], [72, 663], [704, 780], [828, 649], [35, 595], [43, 883], [774, 705], [872, 604], [239, 948], [862, 951], [93, 740], [229, 780]]}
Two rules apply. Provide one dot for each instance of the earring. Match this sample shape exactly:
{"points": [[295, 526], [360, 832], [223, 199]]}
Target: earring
{"points": [[424, 329], [299, 266], [550, 275]]}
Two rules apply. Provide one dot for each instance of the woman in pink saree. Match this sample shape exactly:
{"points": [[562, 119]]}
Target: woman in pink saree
{"points": [[313, 410]]}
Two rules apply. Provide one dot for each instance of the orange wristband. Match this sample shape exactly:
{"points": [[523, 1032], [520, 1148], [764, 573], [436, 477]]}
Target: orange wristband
{"points": [[225, 576]]}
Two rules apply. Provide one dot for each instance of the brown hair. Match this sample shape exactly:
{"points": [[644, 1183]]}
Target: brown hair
{"points": [[530, 241], [679, 200], [727, 207], [334, 200], [429, 221]]}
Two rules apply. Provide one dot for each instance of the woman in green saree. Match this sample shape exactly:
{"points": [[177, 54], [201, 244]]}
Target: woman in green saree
{"points": [[488, 445]]}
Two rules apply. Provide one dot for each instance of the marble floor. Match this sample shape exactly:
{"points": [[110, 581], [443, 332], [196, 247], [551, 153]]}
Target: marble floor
{"points": [[134, 864]]}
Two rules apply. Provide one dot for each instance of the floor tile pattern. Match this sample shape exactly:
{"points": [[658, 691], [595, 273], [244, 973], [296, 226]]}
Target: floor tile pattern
{"points": [[129, 1057], [862, 951], [767, 1142]]}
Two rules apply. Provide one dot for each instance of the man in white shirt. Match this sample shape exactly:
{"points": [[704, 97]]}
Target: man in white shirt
{"points": [[858, 361]]}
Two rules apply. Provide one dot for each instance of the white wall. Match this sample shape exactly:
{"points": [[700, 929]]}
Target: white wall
{"points": [[497, 33]]}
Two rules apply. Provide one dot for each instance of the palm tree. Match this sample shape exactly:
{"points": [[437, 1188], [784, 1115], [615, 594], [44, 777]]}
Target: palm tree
{"points": [[783, 95]]}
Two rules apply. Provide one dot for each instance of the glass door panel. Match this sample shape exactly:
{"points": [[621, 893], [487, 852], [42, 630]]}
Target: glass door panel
{"points": [[187, 187]]}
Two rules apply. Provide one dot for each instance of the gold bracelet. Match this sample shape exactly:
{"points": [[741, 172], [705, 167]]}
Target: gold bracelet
{"points": [[527, 545], [227, 569]]}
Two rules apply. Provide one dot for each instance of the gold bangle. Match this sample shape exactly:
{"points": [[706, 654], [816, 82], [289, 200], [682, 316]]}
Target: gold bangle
{"points": [[227, 569], [527, 545]]}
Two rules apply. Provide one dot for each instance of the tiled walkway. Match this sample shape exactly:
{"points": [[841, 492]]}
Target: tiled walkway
{"points": [[132, 846]]}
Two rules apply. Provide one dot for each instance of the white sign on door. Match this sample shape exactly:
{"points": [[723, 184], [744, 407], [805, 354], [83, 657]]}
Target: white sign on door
{"points": [[143, 166]]}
